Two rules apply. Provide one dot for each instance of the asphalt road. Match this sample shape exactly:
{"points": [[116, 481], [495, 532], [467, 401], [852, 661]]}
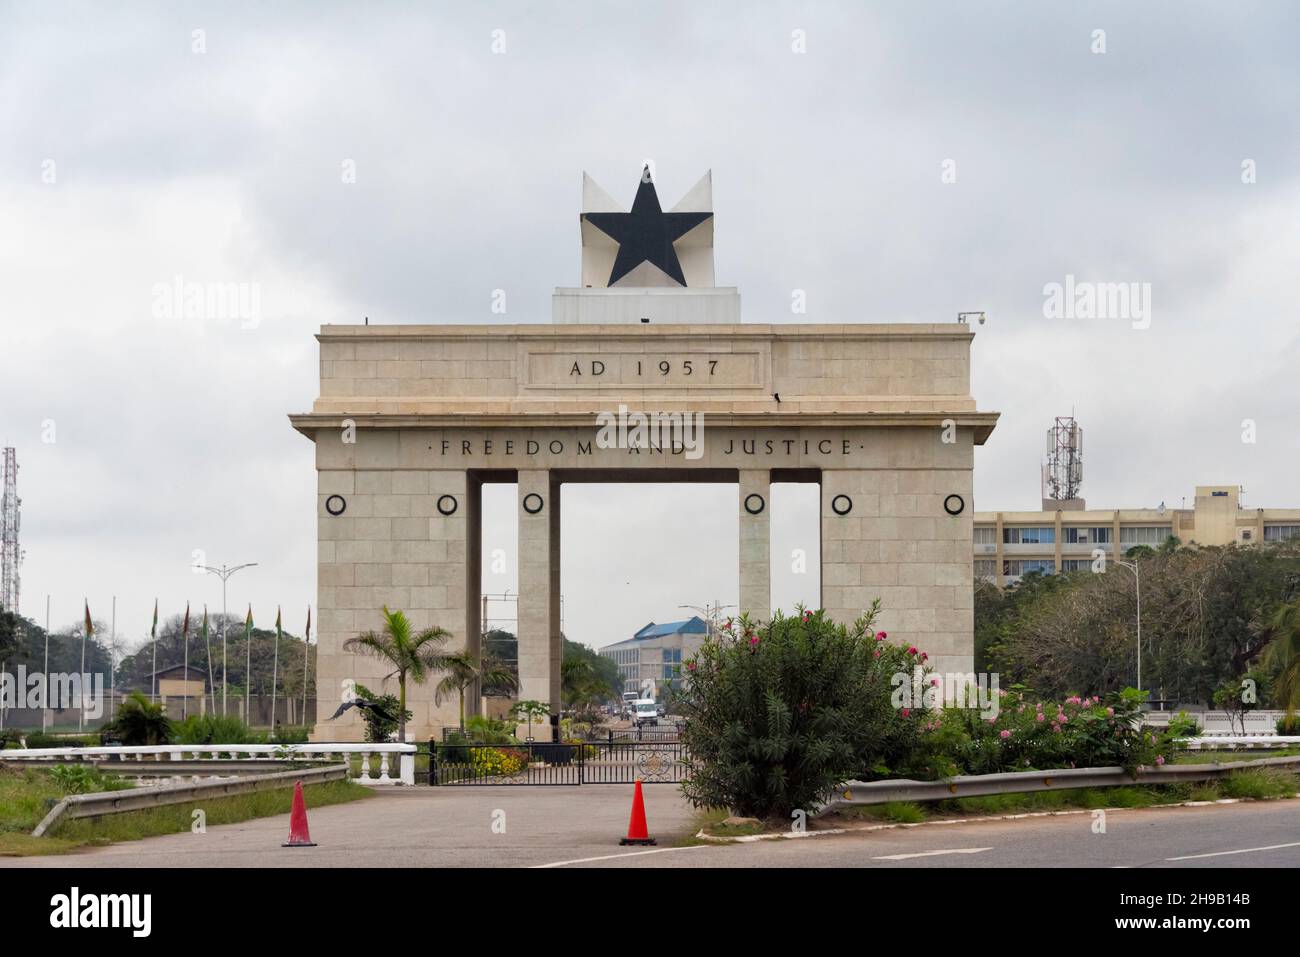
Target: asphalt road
{"points": [[580, 826]]}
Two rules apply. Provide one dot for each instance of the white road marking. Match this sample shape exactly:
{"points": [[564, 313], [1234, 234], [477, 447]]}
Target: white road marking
{"points": [[953, 850], [612, 857], [1244, 850]]}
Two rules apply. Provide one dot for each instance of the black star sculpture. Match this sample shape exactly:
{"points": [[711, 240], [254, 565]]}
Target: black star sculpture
{"points": [[646, 234]]}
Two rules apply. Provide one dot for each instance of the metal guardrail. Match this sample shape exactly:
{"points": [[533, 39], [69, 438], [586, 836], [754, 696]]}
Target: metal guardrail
{"points": [[134, 799], [855, 793]]}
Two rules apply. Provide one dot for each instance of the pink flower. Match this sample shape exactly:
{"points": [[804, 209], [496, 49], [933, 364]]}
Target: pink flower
{"points": [[754, 640], [877, 655], [1005, 734], [1040, 717], [924, 656], [911, 650], [934, 682], [1110, 712], [881, 635], [907, 712], [1160, 759], [690, 666]]}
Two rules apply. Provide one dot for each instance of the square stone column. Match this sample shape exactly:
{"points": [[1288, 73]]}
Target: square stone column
{"points": [[897, 542], [540, 648], [755, 492], [402, 538]]}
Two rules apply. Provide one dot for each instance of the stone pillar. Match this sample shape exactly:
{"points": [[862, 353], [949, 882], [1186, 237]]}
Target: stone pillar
{"points": [[755, 488], [401, 541], [897, 543], [540, 647]]}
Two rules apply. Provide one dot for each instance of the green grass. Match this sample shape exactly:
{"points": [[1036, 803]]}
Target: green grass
{"points": [[27, 794], [1242, 754]]}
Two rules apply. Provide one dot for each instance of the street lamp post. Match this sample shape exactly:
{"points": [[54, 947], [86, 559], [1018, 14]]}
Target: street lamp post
{"points": [[711, 613], [1137, 581], [224, 574]]}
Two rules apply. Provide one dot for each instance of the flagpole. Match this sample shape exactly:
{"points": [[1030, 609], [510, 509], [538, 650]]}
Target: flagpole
{"points": [[45, 694], [248, 665], [275, 670], [153, 633], [185, 640], [85, 633], [112, 660], [207, 644]]}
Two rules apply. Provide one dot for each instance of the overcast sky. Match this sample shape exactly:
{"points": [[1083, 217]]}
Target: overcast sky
{"points": [[133, 151]]}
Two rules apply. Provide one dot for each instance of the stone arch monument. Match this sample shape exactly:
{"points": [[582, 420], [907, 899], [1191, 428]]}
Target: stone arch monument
{"points": [[646, 373]]}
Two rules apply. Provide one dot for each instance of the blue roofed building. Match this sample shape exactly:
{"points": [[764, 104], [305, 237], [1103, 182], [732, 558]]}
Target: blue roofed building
{"points": [[652, 657]]}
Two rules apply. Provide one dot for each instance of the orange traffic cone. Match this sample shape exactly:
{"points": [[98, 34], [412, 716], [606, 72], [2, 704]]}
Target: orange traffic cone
{"points": [[299, 836], [636, 829]]}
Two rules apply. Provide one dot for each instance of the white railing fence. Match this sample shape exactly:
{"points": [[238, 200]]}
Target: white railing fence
{"points": [[1221, 722], [401, 771]]}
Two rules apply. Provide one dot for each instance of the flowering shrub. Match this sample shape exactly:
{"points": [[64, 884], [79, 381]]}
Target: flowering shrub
{"points": [[778, 715], [497, 762], [1030, 734]]}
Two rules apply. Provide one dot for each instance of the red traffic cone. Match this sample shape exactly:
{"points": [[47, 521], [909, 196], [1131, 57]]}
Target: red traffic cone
{"points": [[298, 833], [636, 829]]}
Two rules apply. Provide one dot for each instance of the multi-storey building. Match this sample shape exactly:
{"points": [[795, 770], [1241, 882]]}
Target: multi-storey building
{"points": [[1011, 544], [656, 652]]}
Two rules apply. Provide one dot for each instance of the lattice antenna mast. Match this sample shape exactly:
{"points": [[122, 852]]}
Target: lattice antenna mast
{"points": [[11, 555], [1063, 470]]}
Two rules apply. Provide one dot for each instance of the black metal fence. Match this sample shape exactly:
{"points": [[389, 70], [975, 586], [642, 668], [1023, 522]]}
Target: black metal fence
{"points": [[612, 761]]}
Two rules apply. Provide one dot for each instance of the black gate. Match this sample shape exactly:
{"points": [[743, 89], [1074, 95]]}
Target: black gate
{"points": [[613, 761]]}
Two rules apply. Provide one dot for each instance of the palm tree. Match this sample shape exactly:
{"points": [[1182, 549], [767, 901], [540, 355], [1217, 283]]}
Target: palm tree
{"points": [[463, 669], [413, 655], [1283, 653]]}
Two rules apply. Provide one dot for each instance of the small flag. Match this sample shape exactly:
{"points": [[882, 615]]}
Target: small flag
{"points": [[205, 622], [248, 622], [185, 626], [153, 630], [307, 639], [277, 621], [90, 628]]}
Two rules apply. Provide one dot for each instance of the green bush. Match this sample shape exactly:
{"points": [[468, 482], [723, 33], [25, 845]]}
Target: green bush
{"points": [[215, 729], [483, 730], [1288, 725], [84, 779], [1183, 725], [1079, 732], [378, 728], [778, 715], [293, 734], [139, 722]]}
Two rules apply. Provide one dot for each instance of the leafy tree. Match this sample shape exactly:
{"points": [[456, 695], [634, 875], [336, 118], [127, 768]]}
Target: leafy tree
{"points": [[463, 669], [1282, 655], [412, 654], [530, 711]]}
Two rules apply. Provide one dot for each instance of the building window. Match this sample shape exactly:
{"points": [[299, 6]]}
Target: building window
{"points": [[985, 568], [1018, 567], [1076, 564], [1029, 536], [1091, 535], [986, 535], [1145, 535], [1281, 533]]}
